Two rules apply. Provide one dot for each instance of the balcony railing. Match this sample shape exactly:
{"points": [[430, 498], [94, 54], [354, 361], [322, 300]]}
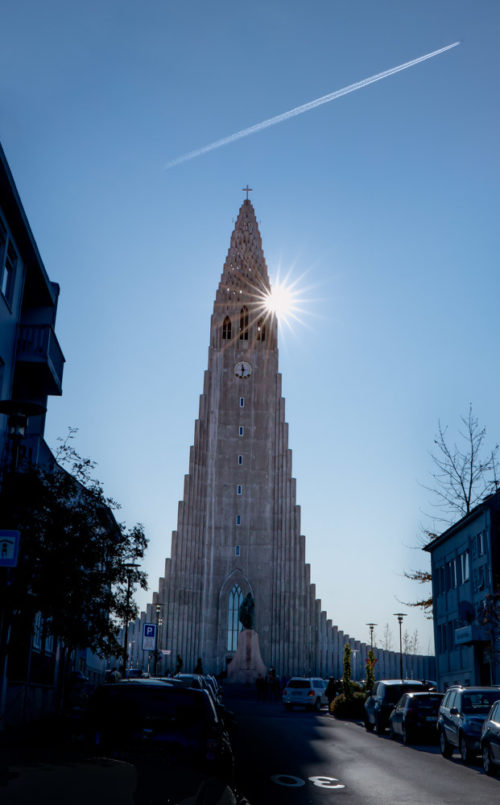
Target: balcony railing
{"points": [[38, 344]]}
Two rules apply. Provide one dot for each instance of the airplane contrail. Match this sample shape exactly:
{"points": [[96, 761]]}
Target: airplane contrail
{"points": [[306, 107]]}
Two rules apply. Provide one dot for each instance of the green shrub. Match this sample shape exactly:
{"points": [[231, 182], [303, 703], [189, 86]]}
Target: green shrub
{"points": [[353, 707]]}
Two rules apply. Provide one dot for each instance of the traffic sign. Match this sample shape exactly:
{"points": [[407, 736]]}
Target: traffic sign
{"points": [[9, 548], [149, 637]]}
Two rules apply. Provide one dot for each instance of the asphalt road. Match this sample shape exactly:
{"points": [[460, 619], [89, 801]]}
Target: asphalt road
{"points": [[300, 757]]}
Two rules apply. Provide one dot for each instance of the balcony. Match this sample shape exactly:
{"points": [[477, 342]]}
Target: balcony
{"points": [[468, 635], [39, 360]]}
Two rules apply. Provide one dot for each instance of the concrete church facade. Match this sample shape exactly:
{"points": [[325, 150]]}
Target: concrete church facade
{"points": [[238, 528]]}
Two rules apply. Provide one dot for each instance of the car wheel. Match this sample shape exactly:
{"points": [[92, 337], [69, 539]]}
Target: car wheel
{"points": [[288, 706], [369, 726], [445, 747], [317, 705], [488, 765], [407, 739], [464, 750], [379, 727]]}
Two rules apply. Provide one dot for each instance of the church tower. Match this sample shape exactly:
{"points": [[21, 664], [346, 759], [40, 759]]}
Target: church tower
{"points": [[238, 529], [238, 524]]}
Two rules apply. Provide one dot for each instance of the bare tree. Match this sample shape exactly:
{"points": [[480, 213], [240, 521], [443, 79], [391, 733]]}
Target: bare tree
{"points": [[386, 642], [463, 475], [411, 642]]}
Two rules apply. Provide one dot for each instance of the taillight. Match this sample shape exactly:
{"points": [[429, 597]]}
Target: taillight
{"points": [[311, 693]]}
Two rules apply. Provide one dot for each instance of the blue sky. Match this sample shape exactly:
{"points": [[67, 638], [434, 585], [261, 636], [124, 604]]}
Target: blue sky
{"points": [[383, 202]]}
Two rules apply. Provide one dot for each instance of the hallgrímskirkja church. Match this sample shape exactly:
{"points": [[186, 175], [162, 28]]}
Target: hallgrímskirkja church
{"points": [[238, 529]]}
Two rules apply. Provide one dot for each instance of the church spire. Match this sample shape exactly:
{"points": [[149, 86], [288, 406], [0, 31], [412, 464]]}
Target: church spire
{"points": [[245, 277]]}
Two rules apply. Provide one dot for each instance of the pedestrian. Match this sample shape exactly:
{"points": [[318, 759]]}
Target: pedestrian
{"points": [[259, 685], [331, 692]]}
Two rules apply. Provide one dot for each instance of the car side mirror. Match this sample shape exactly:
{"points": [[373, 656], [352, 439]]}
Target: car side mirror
{"points": [[453, 711]]}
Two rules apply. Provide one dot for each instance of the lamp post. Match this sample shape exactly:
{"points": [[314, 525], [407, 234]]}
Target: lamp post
{"points": [[371, 627], [158, 624], [400, 616], [129, 568]]}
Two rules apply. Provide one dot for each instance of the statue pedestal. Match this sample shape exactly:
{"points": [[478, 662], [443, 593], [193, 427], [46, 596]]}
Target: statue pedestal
{"points": [[247, 663]]}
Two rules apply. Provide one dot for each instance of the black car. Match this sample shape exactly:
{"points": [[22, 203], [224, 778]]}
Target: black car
{"points": [[385, 694], [172, 734], [415, 716], [461, 717], [490, 740]]}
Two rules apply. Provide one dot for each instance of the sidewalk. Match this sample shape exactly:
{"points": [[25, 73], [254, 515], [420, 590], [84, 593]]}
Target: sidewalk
{"points": [[39, 766]]}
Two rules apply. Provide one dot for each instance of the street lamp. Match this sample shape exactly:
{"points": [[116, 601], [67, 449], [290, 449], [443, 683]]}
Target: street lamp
{"points": [[129, 568], [371, 627], [158, 624], [400, 616]]}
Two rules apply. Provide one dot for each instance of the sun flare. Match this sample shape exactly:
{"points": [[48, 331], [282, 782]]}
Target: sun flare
{"points": [[280, 300]]}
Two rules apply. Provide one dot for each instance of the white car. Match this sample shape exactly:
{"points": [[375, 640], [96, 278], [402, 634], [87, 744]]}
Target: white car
{"points": [[308, 692]]}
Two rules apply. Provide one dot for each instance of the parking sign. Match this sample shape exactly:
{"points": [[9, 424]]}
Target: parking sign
{"points": [[9, 548], [149, 637]]}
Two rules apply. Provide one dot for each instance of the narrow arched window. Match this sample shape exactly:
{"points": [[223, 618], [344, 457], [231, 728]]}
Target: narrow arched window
{"points": [[244, 323], [261, 330], [234, 626], [226, 329]]}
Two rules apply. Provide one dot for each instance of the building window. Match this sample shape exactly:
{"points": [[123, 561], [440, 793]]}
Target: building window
{"points": [[464, 558], [240, 459], [239, 489], [480, 544], [238, 519], [261, 330], [242, 402], [236, 550], [241, 430], [244, 323], [226, 329], [37, 632], [8, 263], [233, 617]]}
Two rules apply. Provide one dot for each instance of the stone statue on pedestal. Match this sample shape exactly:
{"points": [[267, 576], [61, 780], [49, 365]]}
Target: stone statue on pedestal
{"points": [[246, 612], [247, 663]]}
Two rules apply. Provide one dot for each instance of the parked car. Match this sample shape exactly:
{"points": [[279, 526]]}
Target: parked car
{"points": [[415, 715], [384, 695], [308, 692], [192, 681], [461, 717], [170, 733], [213, 685], [490, 740]]}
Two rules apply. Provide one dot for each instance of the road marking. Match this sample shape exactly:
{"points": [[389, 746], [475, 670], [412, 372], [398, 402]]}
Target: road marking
{"points": [[326, 782], [288, 780]]}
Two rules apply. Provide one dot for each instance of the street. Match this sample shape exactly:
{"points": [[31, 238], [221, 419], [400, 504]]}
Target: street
{"points": [[282, 758], [299, 757]]}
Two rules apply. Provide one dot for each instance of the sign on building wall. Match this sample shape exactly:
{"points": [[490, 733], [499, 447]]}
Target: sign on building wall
{"points": [[9, 548]]}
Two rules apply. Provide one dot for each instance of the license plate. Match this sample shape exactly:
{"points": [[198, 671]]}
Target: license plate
{"points": [[430, 718]]}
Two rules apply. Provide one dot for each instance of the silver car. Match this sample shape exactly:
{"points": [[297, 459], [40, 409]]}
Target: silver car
{"points": [[461, 717]]}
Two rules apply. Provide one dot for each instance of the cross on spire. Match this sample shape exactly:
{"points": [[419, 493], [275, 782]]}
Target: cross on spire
{"points": [[247, 190]]}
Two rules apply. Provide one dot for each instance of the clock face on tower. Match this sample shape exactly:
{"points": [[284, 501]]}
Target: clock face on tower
{"points": [[242, 369]]}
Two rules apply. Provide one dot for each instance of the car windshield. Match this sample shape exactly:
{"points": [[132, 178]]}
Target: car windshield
{"points": [[479, 702], [166, 704], [299, 683], [394, 692], [429, 703]]}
